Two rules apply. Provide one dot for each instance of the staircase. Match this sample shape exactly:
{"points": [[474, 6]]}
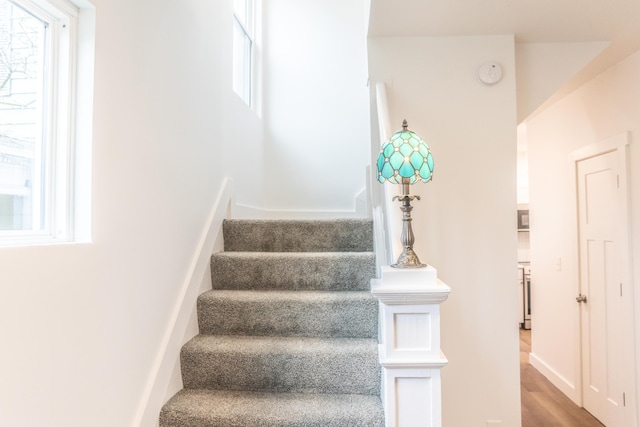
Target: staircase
{"points": [[288, 334]]}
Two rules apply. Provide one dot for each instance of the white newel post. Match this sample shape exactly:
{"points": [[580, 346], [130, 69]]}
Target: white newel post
{"points": [[410, 345]]}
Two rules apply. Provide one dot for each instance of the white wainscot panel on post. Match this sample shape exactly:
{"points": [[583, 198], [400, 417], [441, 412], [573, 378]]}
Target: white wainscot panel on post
{"points": [[410, 345]]}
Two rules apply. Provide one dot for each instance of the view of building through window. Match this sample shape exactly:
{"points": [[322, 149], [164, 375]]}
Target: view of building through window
{"points": [[22, 146]]}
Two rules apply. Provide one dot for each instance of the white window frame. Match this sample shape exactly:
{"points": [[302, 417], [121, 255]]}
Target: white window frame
{"points": [[243, 78], [68, 89]]}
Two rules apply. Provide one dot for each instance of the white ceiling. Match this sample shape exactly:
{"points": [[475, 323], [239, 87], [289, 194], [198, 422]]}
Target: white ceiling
{"points": [[530, 21]]}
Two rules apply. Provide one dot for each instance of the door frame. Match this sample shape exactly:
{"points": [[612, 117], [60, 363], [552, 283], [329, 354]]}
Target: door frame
{"points": [[619, 144]]}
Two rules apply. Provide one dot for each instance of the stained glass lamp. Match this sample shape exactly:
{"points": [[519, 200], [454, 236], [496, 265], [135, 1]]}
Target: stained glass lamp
{"points": [[405, 159]]}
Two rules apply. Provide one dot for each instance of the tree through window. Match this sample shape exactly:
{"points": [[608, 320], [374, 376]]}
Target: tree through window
{"points": [[22, 63], [42, 86]]}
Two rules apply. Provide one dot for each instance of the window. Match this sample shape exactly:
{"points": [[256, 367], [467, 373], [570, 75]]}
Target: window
{"points": [[243, 40], [38, 48]]}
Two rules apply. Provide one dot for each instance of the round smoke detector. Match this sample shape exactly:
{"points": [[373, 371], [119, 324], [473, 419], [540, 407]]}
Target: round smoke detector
{"points": [[489, 73]]}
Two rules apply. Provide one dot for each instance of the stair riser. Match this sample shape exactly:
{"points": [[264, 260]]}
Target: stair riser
{"points": [[219, 408], [353, 235], [349, 272], [295, 373], [348, 318], [182, 420]]}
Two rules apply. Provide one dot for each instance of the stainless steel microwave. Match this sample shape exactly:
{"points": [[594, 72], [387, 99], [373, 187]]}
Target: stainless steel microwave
{"points": [[523, 219]]}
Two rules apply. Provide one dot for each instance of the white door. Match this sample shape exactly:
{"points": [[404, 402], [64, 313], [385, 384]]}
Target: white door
{"points": [[605, 298]]}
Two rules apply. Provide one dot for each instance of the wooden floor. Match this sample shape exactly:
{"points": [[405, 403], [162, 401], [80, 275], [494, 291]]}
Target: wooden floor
{"points": [[543, 405]]}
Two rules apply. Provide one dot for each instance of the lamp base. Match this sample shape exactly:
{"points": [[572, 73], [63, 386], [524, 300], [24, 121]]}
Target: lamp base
{"points": [[408, 259]]}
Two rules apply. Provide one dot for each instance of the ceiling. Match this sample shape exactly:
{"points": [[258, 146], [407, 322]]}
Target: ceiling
{"points": [[530, 21], [539, 21]]}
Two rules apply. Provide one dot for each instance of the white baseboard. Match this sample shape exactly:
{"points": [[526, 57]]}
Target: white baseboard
{"points": [[562, 383], [240, 211], [165, 379]]}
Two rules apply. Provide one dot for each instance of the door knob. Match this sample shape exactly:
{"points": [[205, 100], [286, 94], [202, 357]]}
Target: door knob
{"points": [[581, 298]]}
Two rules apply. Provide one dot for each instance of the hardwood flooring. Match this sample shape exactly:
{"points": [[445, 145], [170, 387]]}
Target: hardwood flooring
{"points": [[543, 405]]}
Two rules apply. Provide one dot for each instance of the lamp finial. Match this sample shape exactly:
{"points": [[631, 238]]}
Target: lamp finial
{"points": [[405, 126]]}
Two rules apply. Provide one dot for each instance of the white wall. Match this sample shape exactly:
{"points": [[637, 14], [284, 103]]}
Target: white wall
{"points": [[316, 104], [543, 68], [82, 324], [465, 224], [608, 105]]}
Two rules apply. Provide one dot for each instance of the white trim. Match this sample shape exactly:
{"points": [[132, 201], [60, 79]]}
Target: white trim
{"points": [[610, 144], [620, 145], [630, 354], [380, 131], [363, 205], [410, 349], [562, 383], [242, 211], [384, 117], [82, 130], [168, 354], [418, 364], [256, 59], [246, 26]]}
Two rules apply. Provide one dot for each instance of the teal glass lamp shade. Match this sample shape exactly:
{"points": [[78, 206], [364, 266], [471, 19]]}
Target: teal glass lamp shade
{"points": [[405, 156], [405, 159]]}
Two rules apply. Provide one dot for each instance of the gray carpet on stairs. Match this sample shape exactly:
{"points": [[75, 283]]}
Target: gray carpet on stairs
{"points": [[337, 271], [286, 313], [282, 364], [288, 334], [240, 409], [340, 235]]}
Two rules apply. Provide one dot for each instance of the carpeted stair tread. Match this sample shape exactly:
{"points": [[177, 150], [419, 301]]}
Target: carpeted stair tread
{"points": [[288, 333], [340, 235], [295, 270], [288, 313], [218, 408], [281, 364]]}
